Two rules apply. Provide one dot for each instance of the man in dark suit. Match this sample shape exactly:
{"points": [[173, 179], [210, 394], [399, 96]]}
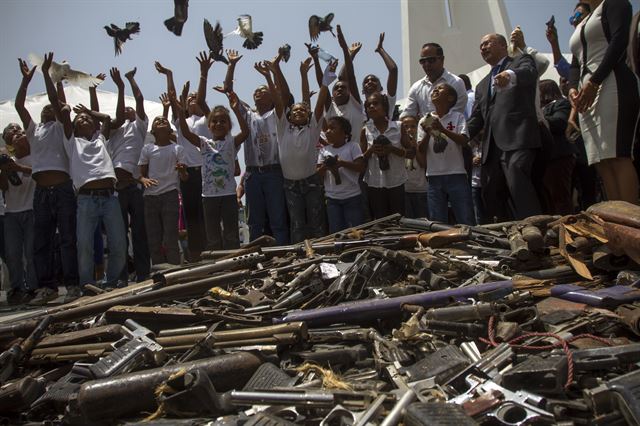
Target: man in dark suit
{"points": [[505, 109]]}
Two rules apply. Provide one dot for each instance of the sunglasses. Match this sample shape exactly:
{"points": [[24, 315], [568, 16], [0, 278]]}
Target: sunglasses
{"points": [[429, 59], [576, 18]]}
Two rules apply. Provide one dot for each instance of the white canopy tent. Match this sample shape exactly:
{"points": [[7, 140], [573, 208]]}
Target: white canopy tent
{"points": [[75, 95]]}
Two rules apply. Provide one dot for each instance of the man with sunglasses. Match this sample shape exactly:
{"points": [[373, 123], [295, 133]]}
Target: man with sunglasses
{"points": [[562, 65], [419, 97]]}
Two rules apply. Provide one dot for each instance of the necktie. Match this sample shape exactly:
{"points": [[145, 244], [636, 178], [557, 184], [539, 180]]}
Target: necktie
{"points": [[494, 71]]}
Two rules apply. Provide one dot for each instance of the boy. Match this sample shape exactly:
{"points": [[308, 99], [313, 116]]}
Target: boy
{"points": [[442, 135]]}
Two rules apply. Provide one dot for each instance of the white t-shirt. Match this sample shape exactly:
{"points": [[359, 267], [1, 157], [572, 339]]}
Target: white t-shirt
{"points": [[298, 148], [20, 198], [444, 156], [419, 97], [199, 126], [88, 160], [125, 144], [218, 166], [349, 186], [261, 147], [48, 152], [162, 162], [352, 111], [416, 177], [396, 175]]}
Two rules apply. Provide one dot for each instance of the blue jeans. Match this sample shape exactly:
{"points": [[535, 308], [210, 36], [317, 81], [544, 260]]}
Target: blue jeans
{"points": [[91, 210], [265, 201], [18, 243], [454, 189], [132, 208], [305, 202], [54, 207], [415, 205], [345, 214]]}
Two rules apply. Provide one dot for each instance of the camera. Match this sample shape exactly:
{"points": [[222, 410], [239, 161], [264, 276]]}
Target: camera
{"points": [[13, 176], [383, 159], [332, 164]]}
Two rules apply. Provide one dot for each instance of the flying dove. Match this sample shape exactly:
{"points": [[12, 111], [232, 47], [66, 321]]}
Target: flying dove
{"points": [[214, 37], [121, 35], [318, 25], [253, 40], [180, 15], [63, 71]]}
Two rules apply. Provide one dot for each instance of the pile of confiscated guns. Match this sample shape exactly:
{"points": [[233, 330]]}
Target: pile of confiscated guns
{"points": [[398, 321]]}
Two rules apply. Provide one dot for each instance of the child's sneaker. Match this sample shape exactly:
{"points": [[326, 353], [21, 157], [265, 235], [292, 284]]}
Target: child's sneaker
{"points": [[43, 296]]}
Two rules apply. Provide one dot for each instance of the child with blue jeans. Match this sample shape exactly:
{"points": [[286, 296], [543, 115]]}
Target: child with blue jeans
{"points": [[341, 162], [442, 134]]}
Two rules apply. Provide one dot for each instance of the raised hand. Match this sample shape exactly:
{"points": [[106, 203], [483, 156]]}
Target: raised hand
{"points": [[185, 91], [355, 48], [164, 99], [233, 57], [380, 47], [305, 65], [205, 60], [341, 41], [333, 65], [262, 68], [517, 38], [80, 108], [130, 74], [234, 102], [115, 76], [46, 65], [161, 69], [313, 50], [220, 89], [27, 73]]}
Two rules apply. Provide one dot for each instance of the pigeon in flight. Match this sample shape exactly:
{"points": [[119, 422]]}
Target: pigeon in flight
{"points": [[214, 37], [285, 51], [62, 71], [318, 25], [120, 35], [253, 40], [180, 15]]}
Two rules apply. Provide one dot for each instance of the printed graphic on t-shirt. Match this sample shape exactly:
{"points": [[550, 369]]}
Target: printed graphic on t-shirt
{"points": [[219, 174], [440, 143]]}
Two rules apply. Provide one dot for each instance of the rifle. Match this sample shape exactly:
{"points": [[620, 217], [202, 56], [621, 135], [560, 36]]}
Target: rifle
{"points": [[13, 357]]}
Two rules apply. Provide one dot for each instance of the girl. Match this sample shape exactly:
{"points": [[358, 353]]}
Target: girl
{"points": [[218, 168], [298, 132], [342, 158], [384, 146], [160, 164]]}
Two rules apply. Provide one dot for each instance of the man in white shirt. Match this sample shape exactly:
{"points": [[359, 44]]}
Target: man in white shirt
{"points": [[419, 97]]}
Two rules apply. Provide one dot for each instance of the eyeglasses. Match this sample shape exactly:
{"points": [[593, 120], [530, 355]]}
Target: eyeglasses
{"points": [[576, 18], [429, 59]]}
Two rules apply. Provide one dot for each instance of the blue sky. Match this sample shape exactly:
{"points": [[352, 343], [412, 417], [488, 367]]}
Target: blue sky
{"points": [[73, 30]]}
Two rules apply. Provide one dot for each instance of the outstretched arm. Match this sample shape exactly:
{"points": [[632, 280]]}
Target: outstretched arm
{"points": [[281, 81], [263, 68], [392, 80], [205, 62], [117, 79], [137, 94], [313, 52], [61, 116], [166, 103], [348, 66], [27, 74], [93, 94], [327, 78], [184, 127], [234, 103], [233, 58], [305, 66], [171, 87]]}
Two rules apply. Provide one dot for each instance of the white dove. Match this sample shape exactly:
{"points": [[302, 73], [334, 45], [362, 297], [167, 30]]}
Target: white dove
{"points": [[63, 71], [244, 30]]}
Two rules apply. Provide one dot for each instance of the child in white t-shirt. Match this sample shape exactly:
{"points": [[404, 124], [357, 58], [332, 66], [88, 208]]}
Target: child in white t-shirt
{"points": [[218, 169], [161, 164], [442, 134], [340, 163]]}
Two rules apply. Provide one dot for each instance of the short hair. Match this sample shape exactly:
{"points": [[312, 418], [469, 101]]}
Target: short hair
{"points": [[439, 50], [8, 128], [344, 124], [467, 82], [584, 5], [451, 92], [549, 89]]}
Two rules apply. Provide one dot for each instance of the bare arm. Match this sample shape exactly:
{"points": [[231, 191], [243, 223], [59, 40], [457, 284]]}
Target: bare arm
{"points": [[392, 79], [358, 165], [278, 104], [280, 80], [171, 87], [117, 79], [348, 66], [234, 103], [166, 103], [27, 74], [205, 62], [105, 119], [233, 58], [327, 78], [61, 116], [184, 127], [305, 66], [137, 94], [313, 52], [93, 94]]}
